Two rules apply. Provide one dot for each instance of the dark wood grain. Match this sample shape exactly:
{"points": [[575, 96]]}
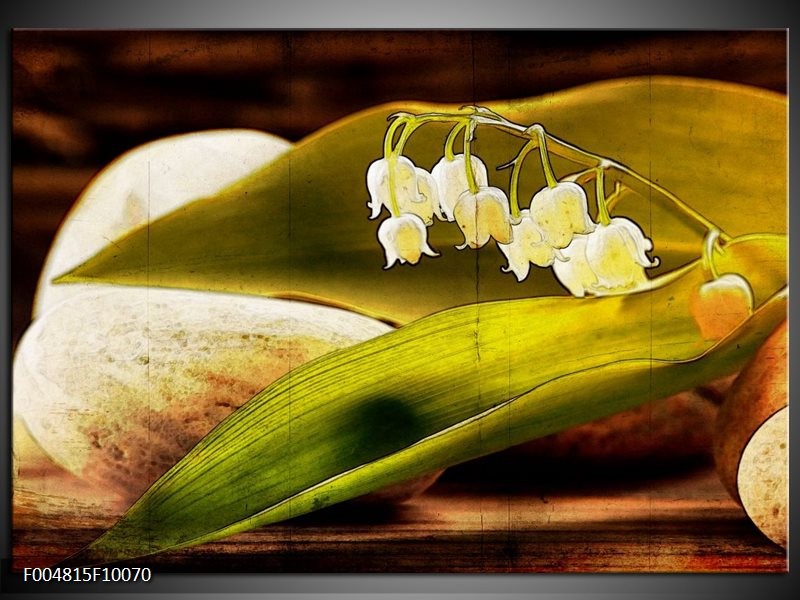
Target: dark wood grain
{"points": [[683, 524], [478, 517]]}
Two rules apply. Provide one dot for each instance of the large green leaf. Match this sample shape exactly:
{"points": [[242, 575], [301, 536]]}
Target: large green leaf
{"points": [[299, 227], [444, 389]]}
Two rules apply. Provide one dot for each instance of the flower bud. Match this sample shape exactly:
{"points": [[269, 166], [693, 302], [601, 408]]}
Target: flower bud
{"points": [[718, 306]]}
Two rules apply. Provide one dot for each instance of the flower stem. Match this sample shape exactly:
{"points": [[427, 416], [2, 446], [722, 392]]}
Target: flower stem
{"points": [[541, 137], [392, 167], [390, 155], [404, 135], [516, 168], [625, 175], [618, 194], [600, 188], [468, 137], [388, 139], [708, 254], [451, 139]]}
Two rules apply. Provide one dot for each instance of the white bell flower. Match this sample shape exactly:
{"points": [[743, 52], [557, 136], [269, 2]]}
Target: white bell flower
{"points": [[427, 196], [528, 246], [483, 215], [415, 189], [451, 179], [561, 212], [617, 254], [404, 239], [575, 273], [611, 259]]}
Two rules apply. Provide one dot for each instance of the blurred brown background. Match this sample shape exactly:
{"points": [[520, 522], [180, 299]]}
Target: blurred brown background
{"points": [[80, 98]]}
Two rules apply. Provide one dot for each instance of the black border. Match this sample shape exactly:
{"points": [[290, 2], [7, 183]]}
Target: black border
{"points": [[350, 14]]}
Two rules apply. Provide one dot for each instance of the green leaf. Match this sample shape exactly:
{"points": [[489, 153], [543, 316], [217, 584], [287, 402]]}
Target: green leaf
{"points": [[299, 227], [447, 388]]}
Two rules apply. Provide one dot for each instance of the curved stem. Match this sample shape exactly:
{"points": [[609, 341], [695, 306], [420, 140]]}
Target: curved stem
{"points": [[581, 177], [451, 139], [600, 188], [541, 137], [394, 207], [618, 194], [513, 192], [390, 155], [708, 254], [419, 120], [404, 135], [416, 121], [624, 174], [410, 122], [468, 136], [549, 143], [388, 139]]}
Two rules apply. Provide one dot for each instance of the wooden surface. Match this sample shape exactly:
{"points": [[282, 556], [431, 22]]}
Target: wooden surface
{"points": [[476, 518]]}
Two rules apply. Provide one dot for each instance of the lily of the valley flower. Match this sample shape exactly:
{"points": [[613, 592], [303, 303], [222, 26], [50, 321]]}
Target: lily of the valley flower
{"points": [[575, 273], [405, 239], [451, 180], [611, 259], [414, 188], [617, 254], [527, 247], [561, 212], [721, 304], [428, 196], [482, 216]]}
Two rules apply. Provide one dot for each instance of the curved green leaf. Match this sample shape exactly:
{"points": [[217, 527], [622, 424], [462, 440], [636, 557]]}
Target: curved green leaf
{"points": [[299, 227], [444, 389]]}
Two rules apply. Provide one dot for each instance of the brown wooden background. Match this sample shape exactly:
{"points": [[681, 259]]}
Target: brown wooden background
{"points": [[80, 98]]}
